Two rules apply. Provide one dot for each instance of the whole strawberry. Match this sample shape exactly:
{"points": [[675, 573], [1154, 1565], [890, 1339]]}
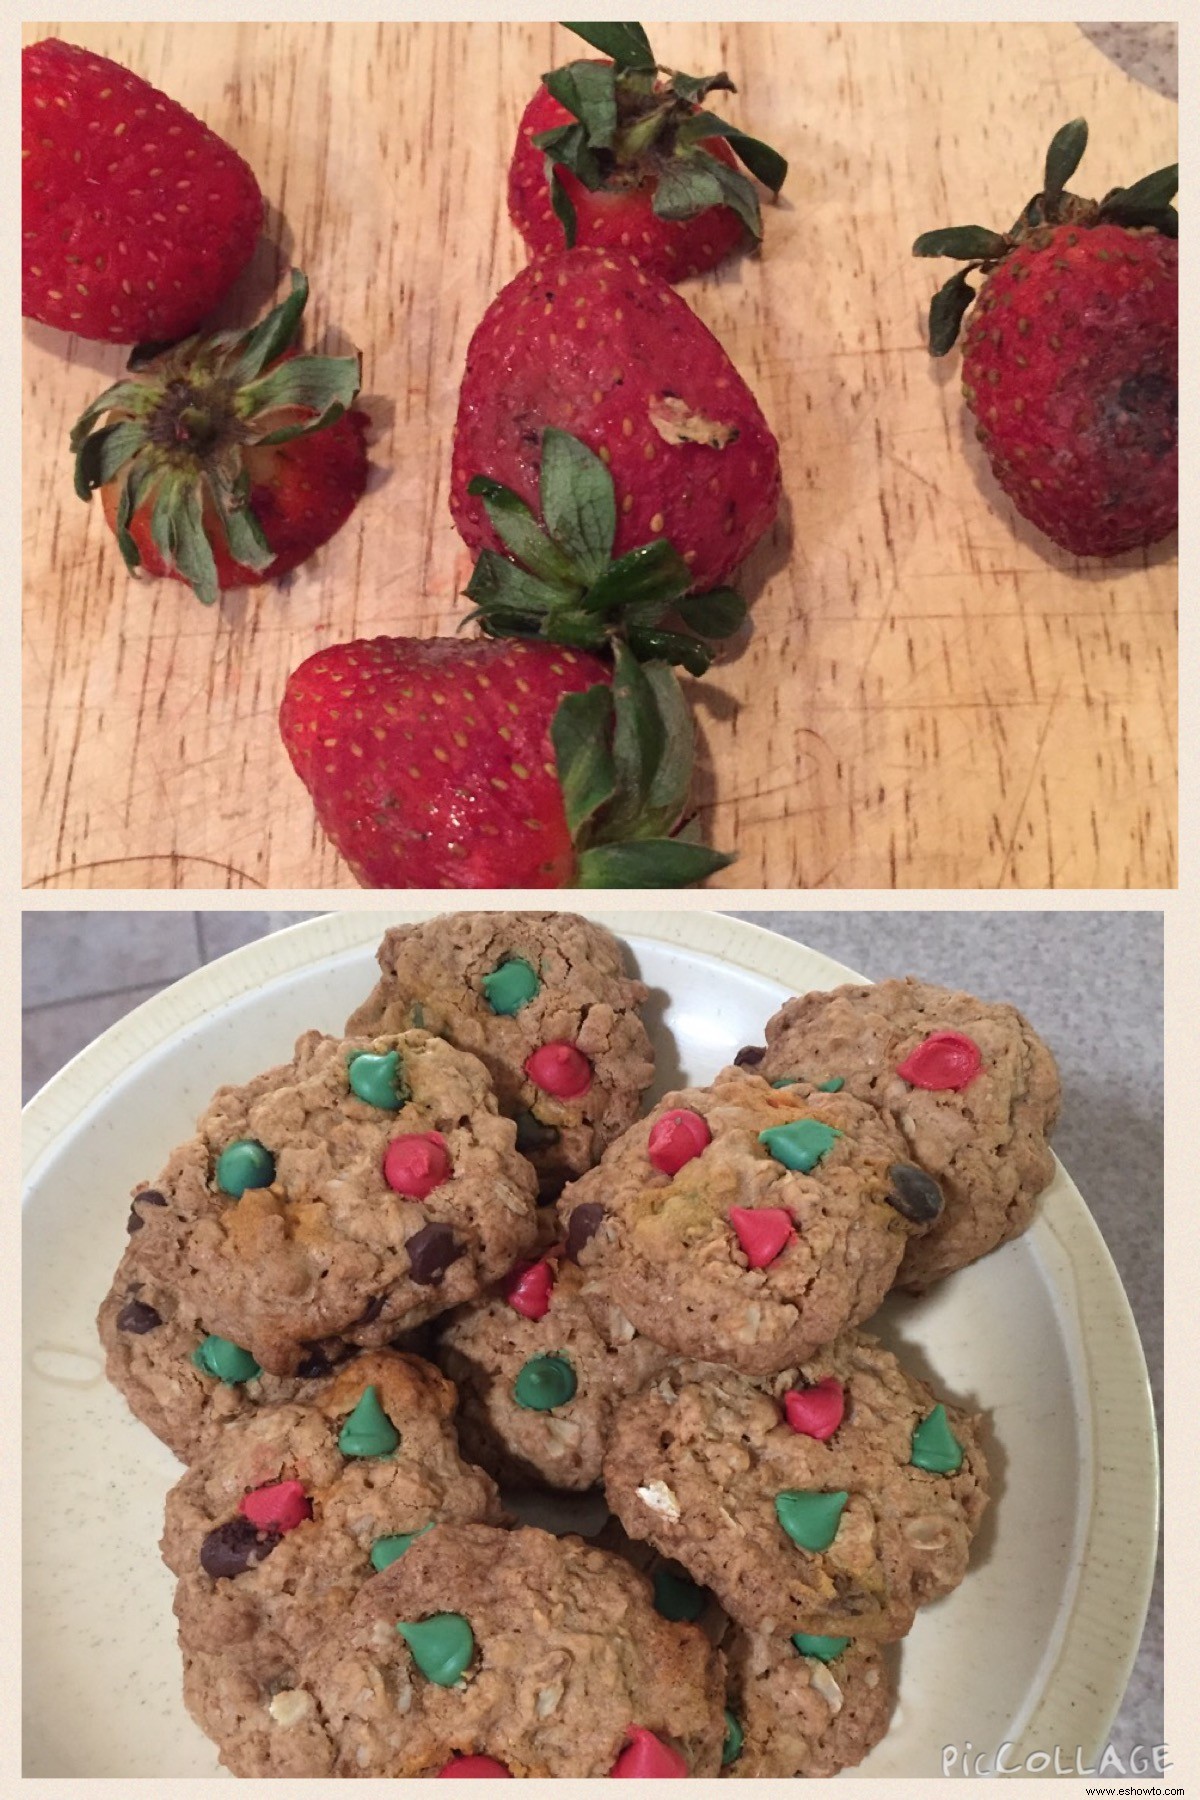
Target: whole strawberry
{"points": [[438, 763], [136, 218], [620, 155], [226, 461], [589, 343], [1071, 354]]}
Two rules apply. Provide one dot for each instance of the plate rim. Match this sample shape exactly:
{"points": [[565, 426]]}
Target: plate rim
{"points": [[1084, 1685]]}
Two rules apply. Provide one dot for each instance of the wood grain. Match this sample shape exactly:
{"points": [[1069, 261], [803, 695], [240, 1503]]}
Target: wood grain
{"points": [[931, 696]]}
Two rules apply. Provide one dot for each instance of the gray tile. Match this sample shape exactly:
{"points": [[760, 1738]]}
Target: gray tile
{"points": [[52, 1035], [72, 955], [221, 932]]}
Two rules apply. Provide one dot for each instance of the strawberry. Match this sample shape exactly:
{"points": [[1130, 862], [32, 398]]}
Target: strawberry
{"points": [[1071, 355], [226, 460], [589, 343], [435, 763], [619, 155], [136, 218]]}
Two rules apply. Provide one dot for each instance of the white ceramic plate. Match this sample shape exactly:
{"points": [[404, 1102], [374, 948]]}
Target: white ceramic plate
{"points": [[1034, 1649]]}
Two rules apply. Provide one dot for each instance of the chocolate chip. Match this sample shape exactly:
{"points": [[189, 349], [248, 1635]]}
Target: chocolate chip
{"points": [[314, 1364], [371, 1311], [750, 1056], [137, 1317], [582, 1227], [236, 1546], [915, 1195], [430, 1253], [533, 1135], [147, 1197]]}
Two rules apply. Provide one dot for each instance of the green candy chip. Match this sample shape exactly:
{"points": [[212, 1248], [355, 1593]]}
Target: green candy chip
{"points": [[677, 1598], [387, 1550], [511, 986], [368, 1431], [801, 1143], [825, 1649], [377, 1079], [735, 1737], [810, 1519], [228, 1362], [935, 1447], [244, 1164], [544, 1383], [834, 1085], [442, 1646]]}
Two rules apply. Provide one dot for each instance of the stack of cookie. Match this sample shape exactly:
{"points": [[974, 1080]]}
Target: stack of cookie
{"points": [[665, 1305]]}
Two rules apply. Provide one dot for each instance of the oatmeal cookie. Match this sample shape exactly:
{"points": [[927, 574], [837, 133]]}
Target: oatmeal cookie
{"points": [[834, 1499], [540, 1654], [366, 1186], [537, 1383], [744, 1224], [287, 1513], [970, 1084], [544, 1001], [803, 1707]]}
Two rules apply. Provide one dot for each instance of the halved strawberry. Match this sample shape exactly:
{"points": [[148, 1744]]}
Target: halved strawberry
{"points": [[620, 155], [434, 763], [226, 460]]}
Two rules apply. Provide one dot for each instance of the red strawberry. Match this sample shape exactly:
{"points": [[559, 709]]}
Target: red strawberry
{"points": [[595, 346], [616, 156], [136, 218], [435, 763], [1070, 359], [231, 458]]}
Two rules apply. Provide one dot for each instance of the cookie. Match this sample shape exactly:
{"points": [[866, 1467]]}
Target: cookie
{"points": [[539, 1653], [177, 1378], [796, 1714], [747, 1225], [287, 1513], [833, 1500], [970, 1084], [544, 1001], [537, 1383], [366, 1186]]}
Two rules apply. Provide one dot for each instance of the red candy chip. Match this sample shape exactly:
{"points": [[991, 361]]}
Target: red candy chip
{"points": [[676, 1139], [475, 1765], [762, 1231], [816, 1411], [561, 1070], [528, 1288], [280, 1507], [417, 1163], [946, 1059], [645, 1755]]}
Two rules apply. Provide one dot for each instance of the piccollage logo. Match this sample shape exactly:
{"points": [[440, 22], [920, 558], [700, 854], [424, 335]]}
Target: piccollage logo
{"points": [[1142, 1760]]}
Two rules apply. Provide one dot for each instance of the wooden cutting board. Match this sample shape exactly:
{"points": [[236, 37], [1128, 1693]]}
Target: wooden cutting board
{"points": [[932, 695]]}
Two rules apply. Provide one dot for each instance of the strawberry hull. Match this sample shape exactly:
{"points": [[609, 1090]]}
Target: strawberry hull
{"points": [[591, 344], [621, 219]]}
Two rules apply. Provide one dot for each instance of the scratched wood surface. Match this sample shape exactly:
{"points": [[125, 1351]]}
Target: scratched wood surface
{"points": [[931, 694]]}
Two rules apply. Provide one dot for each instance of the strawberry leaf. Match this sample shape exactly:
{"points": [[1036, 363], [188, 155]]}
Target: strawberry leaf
{"points": [[514, 522], [103, 454], [968, 243], [671, 647], [1064, 157], [765, 164], [578, 506], [580, 732], [560, 200], [947, 310], [271, 336], [1147, 202], [243, 533], [322, 385], [648, 863], [646, 580], [588, 90], [693, 88], [716, 614], [627, 45], [134, 489], [124, 396], [497, 583], [668, 784], [687, 186], [639, 746]]}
